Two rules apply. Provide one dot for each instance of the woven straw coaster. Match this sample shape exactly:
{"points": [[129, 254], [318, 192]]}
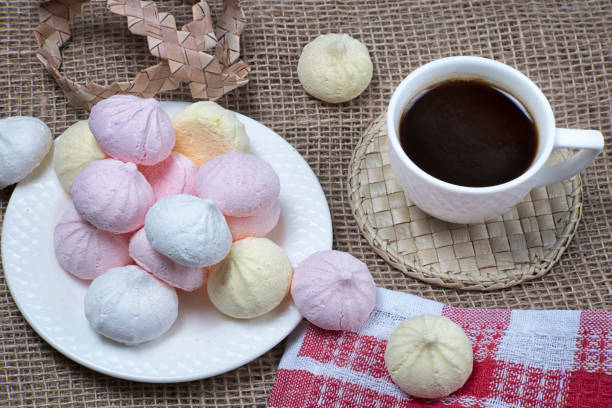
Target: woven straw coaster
{"points": [[522, 244]]}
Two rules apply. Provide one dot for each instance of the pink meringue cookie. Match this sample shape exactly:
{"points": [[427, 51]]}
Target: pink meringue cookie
{"points": [[333, 290], [85, 251], [132, 129], [240, 184], [175, 175], [162, 267], [256, 225], [112, 195]]}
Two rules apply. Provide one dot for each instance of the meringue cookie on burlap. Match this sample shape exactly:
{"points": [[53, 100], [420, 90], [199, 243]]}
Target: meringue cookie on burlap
{"points": [[112, 195], [24, 143], [333, 290], [132, 129], [86, 251], [130, 306], [335, 68], [189, 230]]}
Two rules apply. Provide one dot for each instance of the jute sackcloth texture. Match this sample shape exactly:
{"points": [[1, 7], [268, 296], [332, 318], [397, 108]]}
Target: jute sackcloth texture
{"points": [[519, 245], [563, 46]]}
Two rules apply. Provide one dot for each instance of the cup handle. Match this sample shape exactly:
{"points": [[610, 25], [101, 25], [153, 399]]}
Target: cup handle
{"points": [[590, 142]]}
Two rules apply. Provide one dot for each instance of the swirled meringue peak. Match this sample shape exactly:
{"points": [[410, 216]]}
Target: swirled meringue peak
{"points": [[86, 251], [132, 129], [240, 184], [130, 306], [112, 195], [333, 290], [24, 142], [188, 230]]}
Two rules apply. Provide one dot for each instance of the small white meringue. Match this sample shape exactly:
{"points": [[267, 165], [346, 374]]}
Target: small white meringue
{"points": [[130, 306], [24, 143], [189, 230]]}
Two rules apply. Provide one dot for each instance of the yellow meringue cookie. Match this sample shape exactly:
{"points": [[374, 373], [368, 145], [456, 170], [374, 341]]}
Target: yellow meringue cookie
{"points": [[252, 280], [205, 130], [335, 68], [429, 356], [75, 149]]}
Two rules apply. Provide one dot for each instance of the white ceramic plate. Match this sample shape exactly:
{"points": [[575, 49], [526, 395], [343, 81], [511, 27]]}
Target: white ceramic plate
{"points": [[202, 342]]}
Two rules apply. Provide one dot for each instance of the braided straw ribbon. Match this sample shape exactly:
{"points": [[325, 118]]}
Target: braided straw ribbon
{"points": [[200, 53]]}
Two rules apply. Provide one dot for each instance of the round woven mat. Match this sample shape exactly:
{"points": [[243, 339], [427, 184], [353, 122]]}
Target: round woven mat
{"points": [[520, 245]]}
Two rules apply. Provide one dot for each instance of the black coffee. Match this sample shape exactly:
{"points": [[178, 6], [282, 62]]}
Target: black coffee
{"points": [[469, 133]]}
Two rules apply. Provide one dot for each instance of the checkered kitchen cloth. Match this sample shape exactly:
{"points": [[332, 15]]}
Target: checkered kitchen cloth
{"points": [[522, 359]]}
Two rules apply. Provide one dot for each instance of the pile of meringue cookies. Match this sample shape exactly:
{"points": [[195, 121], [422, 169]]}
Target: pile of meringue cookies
{"points": [[163, 204]]}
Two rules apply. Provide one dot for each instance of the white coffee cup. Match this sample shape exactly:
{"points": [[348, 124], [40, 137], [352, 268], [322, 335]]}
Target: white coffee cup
{"points": [[465, 205]]}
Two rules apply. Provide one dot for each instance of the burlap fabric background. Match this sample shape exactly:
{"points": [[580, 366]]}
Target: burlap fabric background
{"points": [[564, 46]]}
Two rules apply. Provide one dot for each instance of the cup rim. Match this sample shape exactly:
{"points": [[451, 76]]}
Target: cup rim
{"points": [[538, 97]]}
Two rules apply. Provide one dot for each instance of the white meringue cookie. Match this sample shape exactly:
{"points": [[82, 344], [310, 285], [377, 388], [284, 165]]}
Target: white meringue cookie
{"points": [[130, 306], [189, 230], [24, 143]]}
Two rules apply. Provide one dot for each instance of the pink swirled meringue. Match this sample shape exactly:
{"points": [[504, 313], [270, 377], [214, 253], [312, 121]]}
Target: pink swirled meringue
{"points": [[86, 251], [112, 195], [162, 267], [333, 290], [256, 225], [240, 184], [132, 129], [175, 175]]}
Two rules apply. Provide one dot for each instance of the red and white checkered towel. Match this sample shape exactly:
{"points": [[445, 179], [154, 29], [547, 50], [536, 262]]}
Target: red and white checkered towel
{"points": [[522, 359]]}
